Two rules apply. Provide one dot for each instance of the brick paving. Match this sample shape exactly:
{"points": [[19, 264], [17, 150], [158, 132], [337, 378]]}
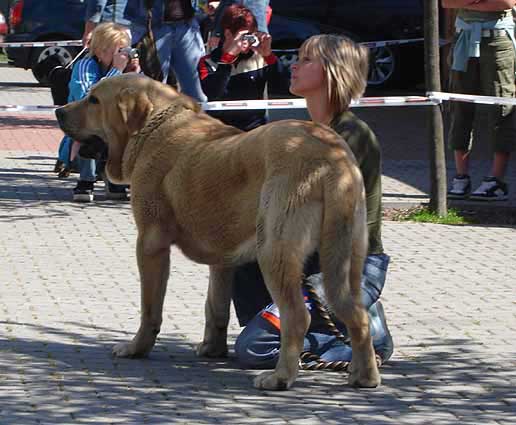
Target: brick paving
{"points": [[70, 290]]}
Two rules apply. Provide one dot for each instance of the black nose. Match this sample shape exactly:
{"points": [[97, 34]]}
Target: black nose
{"points": [[60, 114]]}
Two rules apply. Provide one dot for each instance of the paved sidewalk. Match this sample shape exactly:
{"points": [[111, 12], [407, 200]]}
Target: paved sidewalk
{"points": [[70, 290]]}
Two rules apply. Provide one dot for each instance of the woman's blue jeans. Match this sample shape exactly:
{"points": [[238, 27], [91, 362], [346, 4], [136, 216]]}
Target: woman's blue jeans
{"points": [[258, 344]]}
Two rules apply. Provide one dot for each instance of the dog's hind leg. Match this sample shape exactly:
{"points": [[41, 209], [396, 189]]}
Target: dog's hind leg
{"points": [[342, 255], [216, 311], [285, 239], [153, 255]]}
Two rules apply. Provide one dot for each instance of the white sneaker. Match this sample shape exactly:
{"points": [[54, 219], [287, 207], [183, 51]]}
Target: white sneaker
{"points": [[491, 189], [460, 187]]}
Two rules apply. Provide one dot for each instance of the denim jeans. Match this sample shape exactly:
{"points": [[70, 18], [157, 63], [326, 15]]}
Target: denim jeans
{"points": [[87, 169], [63, 154], [258, 7], [180, 46], [258, 344]]}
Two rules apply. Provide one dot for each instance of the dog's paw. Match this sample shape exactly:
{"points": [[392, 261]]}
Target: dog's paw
{"points": [[271, 381], [207, 349], [364, 378], [126, 349]]}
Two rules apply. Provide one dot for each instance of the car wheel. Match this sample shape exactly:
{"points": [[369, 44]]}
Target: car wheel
{"points": [[64, 54], [383, 66]]}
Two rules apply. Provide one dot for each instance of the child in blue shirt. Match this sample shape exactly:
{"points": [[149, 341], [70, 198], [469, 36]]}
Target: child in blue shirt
{"points": [[106, 59]]}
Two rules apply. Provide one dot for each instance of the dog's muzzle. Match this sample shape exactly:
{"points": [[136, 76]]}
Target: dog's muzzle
{"points": [[60, 115], [93, 148]]}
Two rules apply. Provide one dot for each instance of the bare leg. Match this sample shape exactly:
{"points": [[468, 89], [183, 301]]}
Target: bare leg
{"points": [[216, 310], [500, 161], [461, 161]]}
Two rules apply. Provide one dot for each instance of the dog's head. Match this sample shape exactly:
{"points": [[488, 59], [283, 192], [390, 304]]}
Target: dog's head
{"points": [[114, 110]]}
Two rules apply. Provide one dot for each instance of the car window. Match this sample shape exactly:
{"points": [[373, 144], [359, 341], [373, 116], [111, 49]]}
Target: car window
{"points": [[301, 8]]}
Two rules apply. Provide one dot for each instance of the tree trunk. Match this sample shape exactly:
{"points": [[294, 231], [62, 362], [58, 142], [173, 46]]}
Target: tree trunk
{"points": [[433, 83]]}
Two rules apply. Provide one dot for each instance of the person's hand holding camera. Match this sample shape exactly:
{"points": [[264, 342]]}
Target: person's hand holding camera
{"points": [[120, 60], [133, 66], [265, 47], [236, 44]]}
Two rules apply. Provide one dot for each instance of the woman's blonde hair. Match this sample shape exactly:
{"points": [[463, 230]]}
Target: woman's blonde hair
{"points": [[106, 35], [345, 63]]}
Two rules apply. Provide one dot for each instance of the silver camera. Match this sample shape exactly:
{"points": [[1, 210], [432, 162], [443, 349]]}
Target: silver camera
{"points": [[130, 52], [252, 39]]}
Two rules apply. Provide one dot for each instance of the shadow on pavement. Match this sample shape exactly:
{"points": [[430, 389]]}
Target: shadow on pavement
{"points": [[81, 363]]}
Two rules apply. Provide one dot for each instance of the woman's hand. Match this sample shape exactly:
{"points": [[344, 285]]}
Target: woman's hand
{"points": [[133, 66], [264, 48], [235, 45], [120, 60]]}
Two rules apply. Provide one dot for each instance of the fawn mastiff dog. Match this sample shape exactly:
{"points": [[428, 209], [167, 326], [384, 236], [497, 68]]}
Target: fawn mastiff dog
{"points": [[275, 194]]}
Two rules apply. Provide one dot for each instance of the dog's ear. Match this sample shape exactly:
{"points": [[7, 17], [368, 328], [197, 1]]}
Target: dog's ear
{"points": [[135, 107]]}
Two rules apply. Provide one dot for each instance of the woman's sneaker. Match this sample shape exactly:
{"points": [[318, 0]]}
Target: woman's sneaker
{"points": [[83, 192], [491, 189], [460, 187], [382, 338]]}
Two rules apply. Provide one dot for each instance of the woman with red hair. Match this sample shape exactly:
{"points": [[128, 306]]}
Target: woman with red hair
{"points": [[239, 68]]}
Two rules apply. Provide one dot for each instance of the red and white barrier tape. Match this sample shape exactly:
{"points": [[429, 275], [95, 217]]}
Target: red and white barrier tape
{"points": [[432, 98], [263, 104], [470, 98], [43, 43]]}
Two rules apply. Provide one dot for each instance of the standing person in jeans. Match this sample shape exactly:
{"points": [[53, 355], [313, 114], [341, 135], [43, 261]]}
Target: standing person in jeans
{"points": [[483, 64], [104, 60], [98, 11], [178, 39], [330, 73]]}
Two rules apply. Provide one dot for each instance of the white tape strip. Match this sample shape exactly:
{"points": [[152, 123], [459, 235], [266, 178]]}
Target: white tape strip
{"points": [[263, 104], [486, 100], [28, 108], [394, 101], [43, 43]]}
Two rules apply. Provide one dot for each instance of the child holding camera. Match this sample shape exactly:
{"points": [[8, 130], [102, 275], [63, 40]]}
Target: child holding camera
{"points": [[239, 67], [109, 55]]}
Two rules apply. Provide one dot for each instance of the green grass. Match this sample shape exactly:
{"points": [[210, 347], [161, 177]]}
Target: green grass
{"points": [[3, 57], [424, 215]]}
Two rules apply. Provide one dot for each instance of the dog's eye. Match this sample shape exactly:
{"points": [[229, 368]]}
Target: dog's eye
{"points": [[93, 100]]}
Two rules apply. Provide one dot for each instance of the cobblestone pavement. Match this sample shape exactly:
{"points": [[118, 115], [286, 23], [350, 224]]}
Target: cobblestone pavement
{"points": [[70, 290]]}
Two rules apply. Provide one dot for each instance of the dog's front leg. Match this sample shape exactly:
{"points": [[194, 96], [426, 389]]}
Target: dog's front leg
{"points": [[216, 310], [153, 255]]}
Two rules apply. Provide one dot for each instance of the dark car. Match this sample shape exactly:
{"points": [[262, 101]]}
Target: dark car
{"points": [[44, 20], [374, 20]]}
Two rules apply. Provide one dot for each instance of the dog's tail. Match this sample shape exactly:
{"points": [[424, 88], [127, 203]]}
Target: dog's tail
{"points": [[343, 242]]}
